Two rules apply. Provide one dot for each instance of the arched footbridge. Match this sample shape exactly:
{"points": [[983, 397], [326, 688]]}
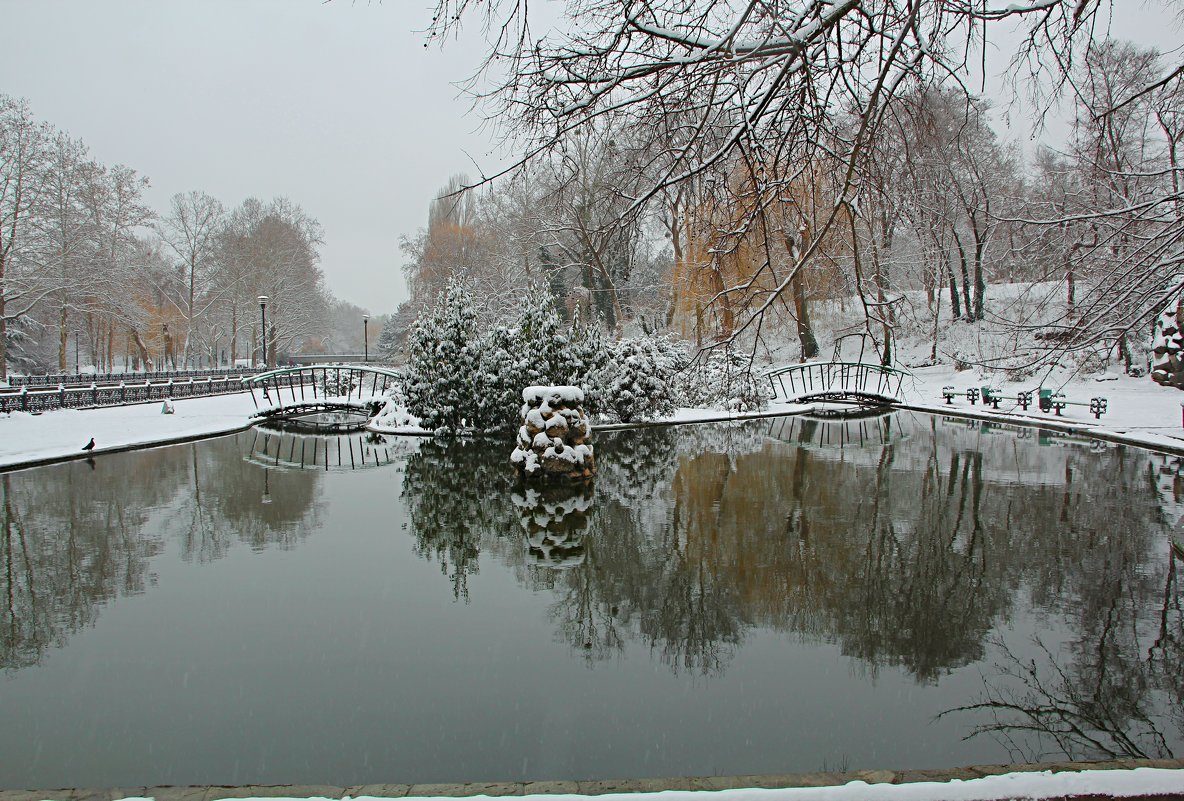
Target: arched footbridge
{"points": [[297, 391], [845, 382]]}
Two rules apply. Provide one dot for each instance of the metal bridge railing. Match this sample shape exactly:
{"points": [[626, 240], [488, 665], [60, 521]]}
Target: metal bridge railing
{"points": [[298, 390], [837, 380], [71, 380]]}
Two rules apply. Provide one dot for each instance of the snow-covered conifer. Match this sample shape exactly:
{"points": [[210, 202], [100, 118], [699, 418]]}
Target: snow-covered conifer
{"points": [[443, 359], [542, 340], [638, 383], [588, 357]]}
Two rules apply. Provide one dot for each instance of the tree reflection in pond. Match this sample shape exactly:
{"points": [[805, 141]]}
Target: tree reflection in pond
{"points": [[73, 538], [911, 542], [913, 545]]}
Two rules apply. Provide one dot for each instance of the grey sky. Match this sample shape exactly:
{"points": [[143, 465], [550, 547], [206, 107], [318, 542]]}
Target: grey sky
{"points": [[338, 106]]}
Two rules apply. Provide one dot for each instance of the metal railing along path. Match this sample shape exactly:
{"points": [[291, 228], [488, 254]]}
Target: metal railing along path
{"points": [[293, 391], [860, 382], [69, 380], [36, 401]]}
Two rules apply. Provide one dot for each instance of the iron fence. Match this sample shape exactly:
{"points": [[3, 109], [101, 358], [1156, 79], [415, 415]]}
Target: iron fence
{"points": [[25, 399]]}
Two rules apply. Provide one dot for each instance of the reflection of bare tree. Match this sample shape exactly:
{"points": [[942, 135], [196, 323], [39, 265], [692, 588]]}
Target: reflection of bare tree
{"points": [[1112, 699], [72, 539], [907, 544], [66, 548]]}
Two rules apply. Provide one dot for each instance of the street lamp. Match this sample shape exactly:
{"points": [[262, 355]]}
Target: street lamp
{"points": [[263, 315], [366, 337]]}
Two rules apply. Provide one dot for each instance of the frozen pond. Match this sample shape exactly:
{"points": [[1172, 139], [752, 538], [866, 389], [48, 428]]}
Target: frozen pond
{"points": [[767, 597]]}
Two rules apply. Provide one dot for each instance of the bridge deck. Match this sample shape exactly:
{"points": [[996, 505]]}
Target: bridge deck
{"points": [[846, 382], [295, 391]]}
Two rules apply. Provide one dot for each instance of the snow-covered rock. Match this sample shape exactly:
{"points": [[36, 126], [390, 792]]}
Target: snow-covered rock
{"points": [[553, 439]]}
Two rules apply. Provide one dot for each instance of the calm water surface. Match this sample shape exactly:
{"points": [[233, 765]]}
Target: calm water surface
{"points": [[765, 597]]}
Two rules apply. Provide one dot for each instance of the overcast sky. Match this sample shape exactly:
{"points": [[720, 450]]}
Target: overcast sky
{"points": [[337, 106]]}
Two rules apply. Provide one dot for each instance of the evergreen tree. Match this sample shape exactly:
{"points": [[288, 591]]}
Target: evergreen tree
{"points": [[638, 383], [443, 361], [542, 341], [498, 385], [588, 358]]}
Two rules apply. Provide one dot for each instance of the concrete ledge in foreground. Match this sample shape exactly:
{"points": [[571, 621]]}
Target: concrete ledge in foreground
{"points": [[593, 787]]}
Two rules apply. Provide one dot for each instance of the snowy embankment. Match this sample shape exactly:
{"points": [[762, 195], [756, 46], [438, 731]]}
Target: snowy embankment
{"points": [[34, 438], [1139, 410], [1122, 783]]}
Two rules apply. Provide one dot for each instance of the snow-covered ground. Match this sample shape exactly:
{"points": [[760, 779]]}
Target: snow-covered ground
{"points": [[1140, 782], [58, 434], [1139, 412]]}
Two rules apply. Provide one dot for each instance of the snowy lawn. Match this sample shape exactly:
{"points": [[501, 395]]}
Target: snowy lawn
{"points": [[1140, 411], [52, 435]]}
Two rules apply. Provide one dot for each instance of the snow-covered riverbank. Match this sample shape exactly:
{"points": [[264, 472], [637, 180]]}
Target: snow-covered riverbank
{"points": [[34, 438], [1139, 412]]}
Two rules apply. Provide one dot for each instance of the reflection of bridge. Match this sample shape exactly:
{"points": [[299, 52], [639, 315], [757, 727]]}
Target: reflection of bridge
{"points": [[809, 431], [856, 382], [287, 450], [295, 391]]}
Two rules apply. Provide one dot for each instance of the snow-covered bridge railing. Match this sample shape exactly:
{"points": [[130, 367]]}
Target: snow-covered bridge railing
{"points": [[36, 401], [857, 382], [294, 391]]}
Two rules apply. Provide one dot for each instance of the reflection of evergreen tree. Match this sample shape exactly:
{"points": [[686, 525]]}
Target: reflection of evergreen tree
{"points": [[457, 492]]}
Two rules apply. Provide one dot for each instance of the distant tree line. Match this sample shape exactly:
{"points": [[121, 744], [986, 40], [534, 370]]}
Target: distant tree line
{"points": [[90, 274]]}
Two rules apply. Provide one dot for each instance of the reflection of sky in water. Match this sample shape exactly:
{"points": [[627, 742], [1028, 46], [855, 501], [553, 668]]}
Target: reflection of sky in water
{"points": [[773, 596]]}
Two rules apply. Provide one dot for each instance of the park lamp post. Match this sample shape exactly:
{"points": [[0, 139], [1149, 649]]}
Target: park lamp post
{"points": [[365, 337], [263, 316]]}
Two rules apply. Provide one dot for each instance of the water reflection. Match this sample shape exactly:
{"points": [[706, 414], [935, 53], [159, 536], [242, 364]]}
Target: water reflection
{"points": [[74, 536], [907, 542], [914, 546]]}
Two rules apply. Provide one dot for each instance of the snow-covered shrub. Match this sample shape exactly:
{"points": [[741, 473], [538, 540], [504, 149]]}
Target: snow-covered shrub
{"points": [[443, 361], [392, 412], [638, 382], [541, 341], [724, 379]]}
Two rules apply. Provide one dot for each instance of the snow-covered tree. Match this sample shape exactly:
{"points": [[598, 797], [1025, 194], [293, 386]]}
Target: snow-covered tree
{"points": [[638, 383], [443, 361]]}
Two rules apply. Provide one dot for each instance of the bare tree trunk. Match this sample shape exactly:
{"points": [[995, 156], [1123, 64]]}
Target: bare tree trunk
{"points": [[62, 336], [980, 283], [955, 309], [141, 348], [965, 279], [802, 310], [809, 343], [3, 332]]}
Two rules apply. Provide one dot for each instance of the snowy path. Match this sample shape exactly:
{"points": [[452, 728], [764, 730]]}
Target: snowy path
{"points": [[28, 438]]}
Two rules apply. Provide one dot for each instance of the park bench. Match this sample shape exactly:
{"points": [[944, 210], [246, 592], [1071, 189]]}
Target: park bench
{"points": [[1046, 400]]}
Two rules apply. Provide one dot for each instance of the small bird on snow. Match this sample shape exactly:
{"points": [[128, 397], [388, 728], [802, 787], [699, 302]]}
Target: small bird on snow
{"points": [[90, 446]]}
